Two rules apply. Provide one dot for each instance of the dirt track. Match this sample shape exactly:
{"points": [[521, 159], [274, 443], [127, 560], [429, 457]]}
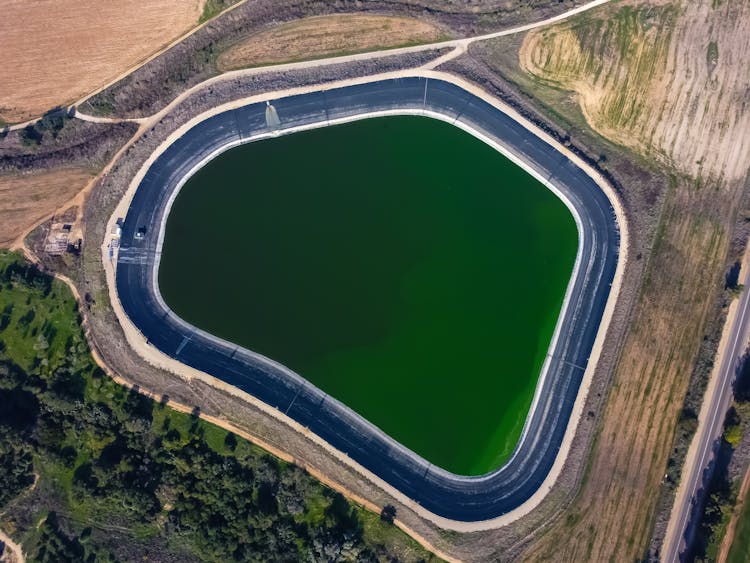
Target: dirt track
{"points": [[742, 499], [12, 552]]}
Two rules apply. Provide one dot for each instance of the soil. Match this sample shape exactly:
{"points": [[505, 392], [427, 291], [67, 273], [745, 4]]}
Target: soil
{"points": [[11, 552], [678, 79], [39, 178], [25, 199], [63, 49], [325, 36]]}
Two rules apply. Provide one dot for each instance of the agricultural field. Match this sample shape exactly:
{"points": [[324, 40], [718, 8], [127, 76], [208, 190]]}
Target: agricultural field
{"points": [[327, 36], [682, 77], [30, 197], [63, 49]]}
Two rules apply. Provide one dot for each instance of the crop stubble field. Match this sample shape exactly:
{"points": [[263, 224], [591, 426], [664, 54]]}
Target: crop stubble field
{"points": [[63, 49], [646, 76], [28, 198], [685, 76], [326, 36]]}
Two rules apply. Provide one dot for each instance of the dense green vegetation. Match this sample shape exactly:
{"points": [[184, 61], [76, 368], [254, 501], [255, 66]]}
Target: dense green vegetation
{"points": [[50, 125], [399, 264], [92, 471], [214, 7]]}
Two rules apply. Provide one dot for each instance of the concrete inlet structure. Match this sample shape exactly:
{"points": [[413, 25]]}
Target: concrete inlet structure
{"points": [[448, 499]]}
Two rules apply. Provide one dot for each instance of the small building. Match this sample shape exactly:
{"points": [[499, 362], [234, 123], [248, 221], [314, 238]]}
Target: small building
{"points": [[75, 247]]}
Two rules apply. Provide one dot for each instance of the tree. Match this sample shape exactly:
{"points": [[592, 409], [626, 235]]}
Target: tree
{"points": [[388, 514], [16, 470], [230, 441], [30, 135], [742, 383]]}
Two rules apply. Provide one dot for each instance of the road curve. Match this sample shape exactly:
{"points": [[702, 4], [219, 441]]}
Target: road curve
{"points": [[454, 497]]}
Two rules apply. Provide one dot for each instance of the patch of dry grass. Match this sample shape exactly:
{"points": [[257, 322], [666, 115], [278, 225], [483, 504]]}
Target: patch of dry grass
{"points": [[323, 36], [56, 51], [612, 517], [666, 79], [25, 199]]}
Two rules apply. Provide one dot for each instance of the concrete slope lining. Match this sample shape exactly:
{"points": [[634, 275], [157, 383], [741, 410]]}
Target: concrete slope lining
{"points": [[453, 497]]}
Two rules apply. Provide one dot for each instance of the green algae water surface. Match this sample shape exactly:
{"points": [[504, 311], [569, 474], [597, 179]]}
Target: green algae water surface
{"points": [[399, 264]]}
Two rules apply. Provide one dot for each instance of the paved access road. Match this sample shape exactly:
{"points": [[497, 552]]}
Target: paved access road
{"points": [[451, 496], [711, 424]]}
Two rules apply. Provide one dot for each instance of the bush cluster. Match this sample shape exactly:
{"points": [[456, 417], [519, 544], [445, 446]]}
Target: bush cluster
{"points": [[114, 457]]}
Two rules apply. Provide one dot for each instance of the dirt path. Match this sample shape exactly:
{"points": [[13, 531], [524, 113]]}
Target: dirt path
{"points": [[96, 119], [13, 552], [459, 46], [742, 498]]}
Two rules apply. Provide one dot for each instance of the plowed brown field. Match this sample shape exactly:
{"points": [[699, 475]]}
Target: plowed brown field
{"points": [[664, 78], [56, 51], [28, 198], [324, 36]]}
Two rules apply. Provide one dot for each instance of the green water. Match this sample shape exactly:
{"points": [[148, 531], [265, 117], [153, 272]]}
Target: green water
{"points": [[399, 264]]}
